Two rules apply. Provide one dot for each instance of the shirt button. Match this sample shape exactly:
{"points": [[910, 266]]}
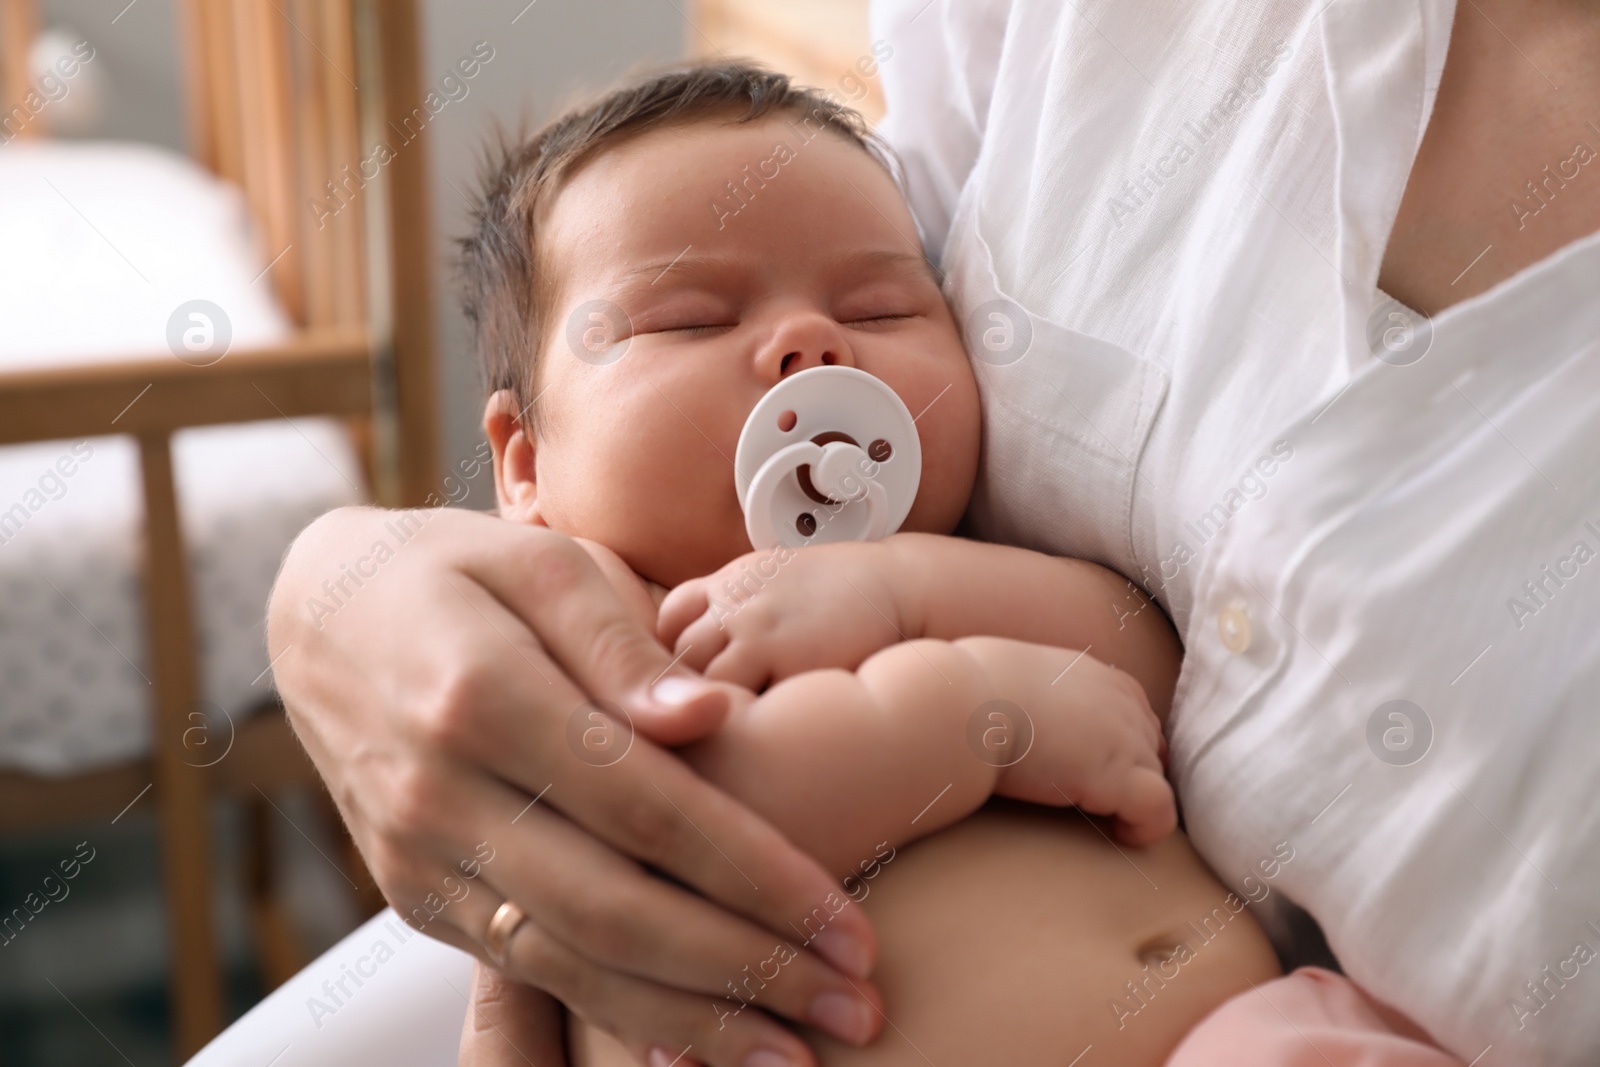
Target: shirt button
{"points": [[1233, 623]]}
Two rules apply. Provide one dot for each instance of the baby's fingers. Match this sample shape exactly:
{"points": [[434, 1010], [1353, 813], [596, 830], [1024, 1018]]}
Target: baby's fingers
{"points": [[1147, 811], [700, 642], [745, 663], [679, 608]]}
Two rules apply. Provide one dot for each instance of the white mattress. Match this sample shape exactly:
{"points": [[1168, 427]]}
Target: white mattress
{"points": [[99, 243]]}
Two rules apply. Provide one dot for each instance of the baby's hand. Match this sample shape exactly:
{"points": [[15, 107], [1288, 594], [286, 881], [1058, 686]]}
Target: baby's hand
{"points": [[770, 615], [1075, 732]]}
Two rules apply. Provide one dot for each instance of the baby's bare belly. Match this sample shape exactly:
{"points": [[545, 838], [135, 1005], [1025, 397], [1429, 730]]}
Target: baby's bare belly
{"points": [[1012, 938]]}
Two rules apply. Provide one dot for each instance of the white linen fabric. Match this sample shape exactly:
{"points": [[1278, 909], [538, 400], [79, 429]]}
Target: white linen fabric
{"points": [[1162, 225], [102, 243]]}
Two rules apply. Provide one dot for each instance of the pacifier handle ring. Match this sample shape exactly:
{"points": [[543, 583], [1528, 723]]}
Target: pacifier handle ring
{"points": [[759, 523], [833, 454], [877, 511]]}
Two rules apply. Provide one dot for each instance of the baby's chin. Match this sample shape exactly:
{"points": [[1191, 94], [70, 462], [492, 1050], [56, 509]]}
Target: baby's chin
{"points": [[670, 565], [670, 562]]}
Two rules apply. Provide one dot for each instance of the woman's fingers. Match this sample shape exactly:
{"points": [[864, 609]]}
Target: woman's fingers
{"points": [[586, 762], [510, 1024], [719, 1031], [561, 601], [609, 911], [716, 1031], [660, 811], [606, 910], [427, 684]]}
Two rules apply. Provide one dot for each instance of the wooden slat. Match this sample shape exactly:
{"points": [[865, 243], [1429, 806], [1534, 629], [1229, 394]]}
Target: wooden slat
{"points": [[28, 801], [261, 48], [411, 258], [818, 43], [247, 77], [280, 952], [284, 248], [222, 78], [311, 152], [250, 78], [315, 374], [265, 753], [344, 148], [182, 799], [19, 23], [266, 116], [200, 107]]}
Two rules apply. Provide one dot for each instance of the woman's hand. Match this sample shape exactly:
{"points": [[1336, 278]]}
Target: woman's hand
{"points": [[440, 668], [509, 1024], [770, 615]]}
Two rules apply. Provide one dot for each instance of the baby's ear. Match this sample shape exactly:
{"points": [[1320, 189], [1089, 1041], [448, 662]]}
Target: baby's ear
{"points": [[513, 459]]}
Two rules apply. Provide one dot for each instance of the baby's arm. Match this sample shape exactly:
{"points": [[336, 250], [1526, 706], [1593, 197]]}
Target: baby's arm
{"points": [[951, 587], [842, 762], [771, 615]]}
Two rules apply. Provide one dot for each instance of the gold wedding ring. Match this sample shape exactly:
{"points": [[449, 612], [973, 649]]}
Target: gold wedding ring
{"points": [[507, 919]]}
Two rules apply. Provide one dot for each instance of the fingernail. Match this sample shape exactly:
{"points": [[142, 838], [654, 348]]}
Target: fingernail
{"points": [[843, 951], [766, 1057], [660, 1057], [675, 691], [845, 1017]]}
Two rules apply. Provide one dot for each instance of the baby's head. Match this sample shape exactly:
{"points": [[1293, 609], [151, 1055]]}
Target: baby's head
{"points": [[644, 269]]}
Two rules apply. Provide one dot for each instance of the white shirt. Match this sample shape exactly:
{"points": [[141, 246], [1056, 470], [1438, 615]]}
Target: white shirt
{"points": [[1191, 201]]}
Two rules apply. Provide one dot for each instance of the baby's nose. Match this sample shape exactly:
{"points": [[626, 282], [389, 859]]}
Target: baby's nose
{"points": [[800, 341], [799, 360]]}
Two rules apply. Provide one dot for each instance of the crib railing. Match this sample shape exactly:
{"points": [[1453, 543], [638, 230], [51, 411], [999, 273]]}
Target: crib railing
{"points": [[272, 89]]}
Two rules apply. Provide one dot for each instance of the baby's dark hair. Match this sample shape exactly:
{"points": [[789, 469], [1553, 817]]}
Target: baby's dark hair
{"points": [[506, 289]]}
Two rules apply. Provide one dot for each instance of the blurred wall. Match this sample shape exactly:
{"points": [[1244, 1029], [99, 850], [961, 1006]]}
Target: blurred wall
{"points": [[553, 49], [543, 52], [136, 63]]}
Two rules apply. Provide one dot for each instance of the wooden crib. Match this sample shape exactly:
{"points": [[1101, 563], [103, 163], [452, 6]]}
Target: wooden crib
{"points": [[271, 89]]}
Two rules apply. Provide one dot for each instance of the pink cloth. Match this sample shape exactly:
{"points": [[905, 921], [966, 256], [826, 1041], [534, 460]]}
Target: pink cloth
{"points": [[1310, 1018]]}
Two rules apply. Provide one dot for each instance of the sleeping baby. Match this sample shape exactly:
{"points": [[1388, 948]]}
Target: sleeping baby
{"points": [[908, 710]]}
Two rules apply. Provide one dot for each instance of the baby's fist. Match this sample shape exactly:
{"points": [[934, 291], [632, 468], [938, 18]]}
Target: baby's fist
{"points": [[1092, 739], [772, 614]]}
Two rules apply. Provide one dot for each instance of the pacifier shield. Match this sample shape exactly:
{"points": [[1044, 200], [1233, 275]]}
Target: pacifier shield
{"points": [[830, 454]]}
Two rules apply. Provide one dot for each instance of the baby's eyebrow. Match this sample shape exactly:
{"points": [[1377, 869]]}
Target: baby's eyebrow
{"points": [[889, 261], [683, 265]]}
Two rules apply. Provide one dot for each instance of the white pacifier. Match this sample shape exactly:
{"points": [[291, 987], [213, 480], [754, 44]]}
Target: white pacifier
{"points": [[831, 454]]}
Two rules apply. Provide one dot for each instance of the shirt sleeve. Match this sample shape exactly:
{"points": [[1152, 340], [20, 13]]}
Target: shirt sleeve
{"points": [[938, 76]]}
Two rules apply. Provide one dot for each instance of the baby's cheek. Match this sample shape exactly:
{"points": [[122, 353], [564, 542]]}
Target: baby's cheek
{"points": [[679, 522], [950, 429], [948, 472]]}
